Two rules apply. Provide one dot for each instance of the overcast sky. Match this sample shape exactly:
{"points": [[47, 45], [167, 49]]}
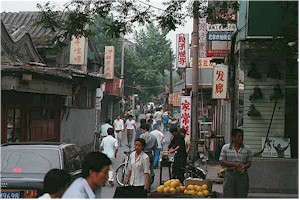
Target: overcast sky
{"points": [[30, 5]]}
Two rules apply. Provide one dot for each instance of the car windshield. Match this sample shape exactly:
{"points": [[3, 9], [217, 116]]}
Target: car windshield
{"points": [[29, 160]]}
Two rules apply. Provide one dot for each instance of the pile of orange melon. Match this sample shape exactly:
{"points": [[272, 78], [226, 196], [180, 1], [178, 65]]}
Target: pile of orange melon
{"points": [[174, 186]]}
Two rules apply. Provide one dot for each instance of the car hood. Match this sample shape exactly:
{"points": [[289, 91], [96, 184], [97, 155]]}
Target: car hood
{"points": [[21, 181]]}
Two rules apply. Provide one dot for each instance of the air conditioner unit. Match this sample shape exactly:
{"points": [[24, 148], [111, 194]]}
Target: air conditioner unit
{"points": [[68, 101]]}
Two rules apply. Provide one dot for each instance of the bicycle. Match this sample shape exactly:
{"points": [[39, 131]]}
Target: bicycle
{"points": [[122, 169], [198, 169]]}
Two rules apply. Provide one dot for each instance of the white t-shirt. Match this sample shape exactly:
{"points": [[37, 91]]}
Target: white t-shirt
{"points": [[158, 116], [159, 137], [130, 124], [139, 168], [119, 124], [109, 143]]}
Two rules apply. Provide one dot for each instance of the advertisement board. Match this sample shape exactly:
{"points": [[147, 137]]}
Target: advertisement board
{"points": [[77, 49], [276, 147], [109, 60], [220, 82], [182, 50], [185, 114]]}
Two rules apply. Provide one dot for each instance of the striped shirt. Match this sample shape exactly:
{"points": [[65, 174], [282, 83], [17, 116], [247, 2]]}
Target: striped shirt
{"points": [[229, 154]]}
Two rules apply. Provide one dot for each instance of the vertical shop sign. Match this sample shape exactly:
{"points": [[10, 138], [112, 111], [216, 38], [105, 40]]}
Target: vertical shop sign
{"points": [[77, 50], [185, 114], [220, 78], [182, 50], [202, 38], [109, 60]]}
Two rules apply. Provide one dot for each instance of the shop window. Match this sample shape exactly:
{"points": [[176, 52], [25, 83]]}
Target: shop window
{"points": [[85, 98], [13, 125]]}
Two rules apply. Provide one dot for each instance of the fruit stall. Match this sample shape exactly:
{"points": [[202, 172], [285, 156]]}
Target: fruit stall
{"points": [[191, 188]]}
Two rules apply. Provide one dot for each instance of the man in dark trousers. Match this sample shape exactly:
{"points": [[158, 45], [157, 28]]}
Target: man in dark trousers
{"points": [[177, 146], [236, 158]]}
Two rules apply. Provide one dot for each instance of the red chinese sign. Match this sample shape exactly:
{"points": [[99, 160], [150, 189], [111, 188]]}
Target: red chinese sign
{"points": [[77, 51], [182, 54], [109, 60], [185, 114], [217, 53], [220, 82]]}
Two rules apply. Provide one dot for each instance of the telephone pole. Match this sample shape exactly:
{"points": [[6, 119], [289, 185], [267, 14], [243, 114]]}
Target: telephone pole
{"points": [[194, 55], [171, 85]]}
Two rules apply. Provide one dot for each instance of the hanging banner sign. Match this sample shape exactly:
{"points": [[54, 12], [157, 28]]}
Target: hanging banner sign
{"points": [[202, 38], [219, 36], [220, 78], [185, 114], [182, 50], [217, 53], [109, 60], [77, 49]]}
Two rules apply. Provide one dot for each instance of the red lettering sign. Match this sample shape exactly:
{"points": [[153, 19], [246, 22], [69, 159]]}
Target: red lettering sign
{"points": [[219, 88]]}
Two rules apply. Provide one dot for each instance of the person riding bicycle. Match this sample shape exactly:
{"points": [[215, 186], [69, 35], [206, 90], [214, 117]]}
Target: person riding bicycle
{"points": [[138, 170], [150, 148]]}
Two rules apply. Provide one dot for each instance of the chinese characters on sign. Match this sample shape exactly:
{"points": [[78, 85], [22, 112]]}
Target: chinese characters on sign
{"points": [[220, 77], [202, 38], [182, 50], [205, 63], [174, 99], [219, 36], [109, 62], [217, 53], [77, 51], [220, 27], [185, 114]]}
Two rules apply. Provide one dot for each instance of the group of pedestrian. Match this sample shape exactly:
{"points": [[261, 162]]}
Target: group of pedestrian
{"points": [[97, 167]]}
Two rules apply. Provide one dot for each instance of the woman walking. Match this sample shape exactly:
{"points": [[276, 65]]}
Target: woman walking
{"points": [[138, 170]]}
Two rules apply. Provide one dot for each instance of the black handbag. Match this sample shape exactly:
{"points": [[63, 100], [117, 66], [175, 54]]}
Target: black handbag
{"points": [[130, 192]]}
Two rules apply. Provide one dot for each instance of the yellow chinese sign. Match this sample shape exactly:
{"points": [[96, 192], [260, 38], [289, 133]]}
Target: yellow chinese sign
{"points": [[109, 60], [77, 51]]}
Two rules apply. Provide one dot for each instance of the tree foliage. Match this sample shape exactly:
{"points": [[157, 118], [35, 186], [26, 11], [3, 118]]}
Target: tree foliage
{"points": [[144, 67], [145, 60], [78, 15]]}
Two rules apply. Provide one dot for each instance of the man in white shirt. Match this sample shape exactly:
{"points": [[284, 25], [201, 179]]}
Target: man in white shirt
{"points": [[158, 116], [160, 139], [103, 129], [109, 147], [94, 174], [119, 128], [130, 128]]}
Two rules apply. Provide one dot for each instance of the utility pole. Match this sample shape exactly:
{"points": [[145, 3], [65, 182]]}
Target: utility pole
{"points": [[122, 70], [194, 55], [171, 85]]}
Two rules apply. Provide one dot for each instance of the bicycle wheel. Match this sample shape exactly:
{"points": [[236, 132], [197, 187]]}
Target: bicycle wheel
{"points": [[121, 174]]}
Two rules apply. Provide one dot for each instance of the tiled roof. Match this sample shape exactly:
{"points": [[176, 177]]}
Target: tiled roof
{"points": [[18, 22]]}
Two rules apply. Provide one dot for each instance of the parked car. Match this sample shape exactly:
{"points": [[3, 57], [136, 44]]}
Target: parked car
{"points": [[24, 165]]}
